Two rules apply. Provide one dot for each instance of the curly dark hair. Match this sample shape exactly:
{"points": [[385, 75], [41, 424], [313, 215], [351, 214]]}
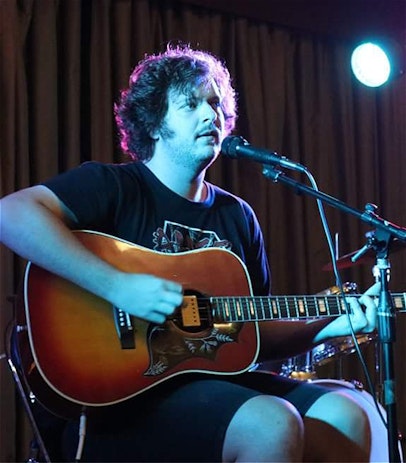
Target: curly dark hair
{"points": [[143, 106]]}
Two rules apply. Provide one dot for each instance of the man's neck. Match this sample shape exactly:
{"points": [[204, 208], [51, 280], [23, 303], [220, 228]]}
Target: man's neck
{"points": [[180, 180]]}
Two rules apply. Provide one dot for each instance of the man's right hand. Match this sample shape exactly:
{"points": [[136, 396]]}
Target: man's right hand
{"points": [[146, 296]]}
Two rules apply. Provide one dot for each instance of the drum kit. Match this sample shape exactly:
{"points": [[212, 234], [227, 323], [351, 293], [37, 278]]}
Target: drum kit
{"points": [[306, 367]]}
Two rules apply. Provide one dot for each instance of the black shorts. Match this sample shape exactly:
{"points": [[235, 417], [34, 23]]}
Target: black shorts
{"points": [[183, 419]]}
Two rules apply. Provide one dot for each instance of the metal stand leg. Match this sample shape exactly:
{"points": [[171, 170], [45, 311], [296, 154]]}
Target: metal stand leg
{"points": [[37, 446]]}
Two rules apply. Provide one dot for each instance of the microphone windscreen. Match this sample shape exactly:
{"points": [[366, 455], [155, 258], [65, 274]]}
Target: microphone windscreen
{"points": [[230, 144]]}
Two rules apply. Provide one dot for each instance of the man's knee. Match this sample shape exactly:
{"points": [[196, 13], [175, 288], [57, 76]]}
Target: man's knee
{"points": [[265, 428], [344, 426], [341, 411]]}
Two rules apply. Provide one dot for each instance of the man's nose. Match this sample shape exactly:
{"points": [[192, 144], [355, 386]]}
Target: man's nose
{"points": [[209, 112]]}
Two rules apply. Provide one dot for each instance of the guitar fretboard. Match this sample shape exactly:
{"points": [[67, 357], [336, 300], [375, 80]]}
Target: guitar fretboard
{"points": [[263, 308]]}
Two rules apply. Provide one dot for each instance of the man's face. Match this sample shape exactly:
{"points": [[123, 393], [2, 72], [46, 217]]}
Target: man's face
{"points": [[193, 127]]}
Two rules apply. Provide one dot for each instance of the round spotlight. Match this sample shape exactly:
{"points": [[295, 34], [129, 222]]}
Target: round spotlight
{"points": [[370, 64]]}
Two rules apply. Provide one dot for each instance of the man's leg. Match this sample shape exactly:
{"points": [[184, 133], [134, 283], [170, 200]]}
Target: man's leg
{"points": [[264, 429], [337, 429]]}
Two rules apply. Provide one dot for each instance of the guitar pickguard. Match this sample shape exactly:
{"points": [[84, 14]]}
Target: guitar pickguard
{"points": [[169, 347]]}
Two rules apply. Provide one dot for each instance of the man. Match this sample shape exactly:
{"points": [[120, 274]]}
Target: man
{"points": [[178, 108]]}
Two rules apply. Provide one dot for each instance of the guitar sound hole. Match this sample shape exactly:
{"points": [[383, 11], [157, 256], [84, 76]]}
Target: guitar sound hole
{"points": [[197, 316]]}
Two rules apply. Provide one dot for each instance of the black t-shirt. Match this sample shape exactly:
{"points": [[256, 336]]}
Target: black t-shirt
{"points": [[130, 203]]}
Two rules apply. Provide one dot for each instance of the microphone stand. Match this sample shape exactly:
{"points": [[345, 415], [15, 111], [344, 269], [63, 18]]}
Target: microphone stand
{"points": [[385, 232]]}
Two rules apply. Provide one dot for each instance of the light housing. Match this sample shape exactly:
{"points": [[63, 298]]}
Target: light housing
{"points": [[376, 62]]}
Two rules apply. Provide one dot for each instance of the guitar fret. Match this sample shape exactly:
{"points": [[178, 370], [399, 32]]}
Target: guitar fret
{"points": [[217, 309], [327, 305], [341, 306], [306, 307], [310, 305], [257, 308], [236, 308], [286, 307], [226, 309], [231, 308], [289, 308], [281, 308], [251, 308], [270, 308], [301, 307], [278, 303], [244, 310], [293, 306], [263, 310], [274, 308], [296, 303], [316, 306], [243, 314], [323, 304]]}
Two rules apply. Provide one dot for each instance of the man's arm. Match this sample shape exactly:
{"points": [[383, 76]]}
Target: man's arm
{"points": [[36, 225], [283, 339]]}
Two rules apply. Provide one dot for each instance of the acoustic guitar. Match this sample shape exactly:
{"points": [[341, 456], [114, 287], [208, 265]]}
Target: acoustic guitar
{"points": [[77, 350]]}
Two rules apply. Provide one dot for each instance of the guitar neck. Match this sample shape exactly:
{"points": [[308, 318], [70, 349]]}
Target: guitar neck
{"points": [[265, 308]]}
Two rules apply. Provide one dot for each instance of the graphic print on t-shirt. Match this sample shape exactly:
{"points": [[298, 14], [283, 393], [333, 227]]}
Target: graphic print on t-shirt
{"points": [[201, 341], [174, 237]]}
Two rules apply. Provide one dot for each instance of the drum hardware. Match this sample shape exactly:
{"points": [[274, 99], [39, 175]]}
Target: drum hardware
{"points": [[300, 367], [304, 366], [367, 257], [349, 287]]}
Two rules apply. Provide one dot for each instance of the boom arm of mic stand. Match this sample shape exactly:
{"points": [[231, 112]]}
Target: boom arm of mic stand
{"points": [[367, 216], [386, 314]]}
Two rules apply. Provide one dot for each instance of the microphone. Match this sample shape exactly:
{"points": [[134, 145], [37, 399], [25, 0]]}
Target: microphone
{"points": [[238, 148]]}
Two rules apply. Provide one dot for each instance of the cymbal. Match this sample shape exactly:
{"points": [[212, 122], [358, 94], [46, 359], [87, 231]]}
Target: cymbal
{"points": [[367, 258]]}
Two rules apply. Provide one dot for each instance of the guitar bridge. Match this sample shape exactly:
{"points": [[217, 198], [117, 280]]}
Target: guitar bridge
{"points": [[125, 328], [190, 311]]}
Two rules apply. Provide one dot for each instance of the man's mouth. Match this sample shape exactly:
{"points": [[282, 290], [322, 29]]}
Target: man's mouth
{"points": [[212, 133]]}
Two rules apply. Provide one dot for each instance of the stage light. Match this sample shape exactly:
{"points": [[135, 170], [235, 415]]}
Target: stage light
{"points": [[374, 63]]}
